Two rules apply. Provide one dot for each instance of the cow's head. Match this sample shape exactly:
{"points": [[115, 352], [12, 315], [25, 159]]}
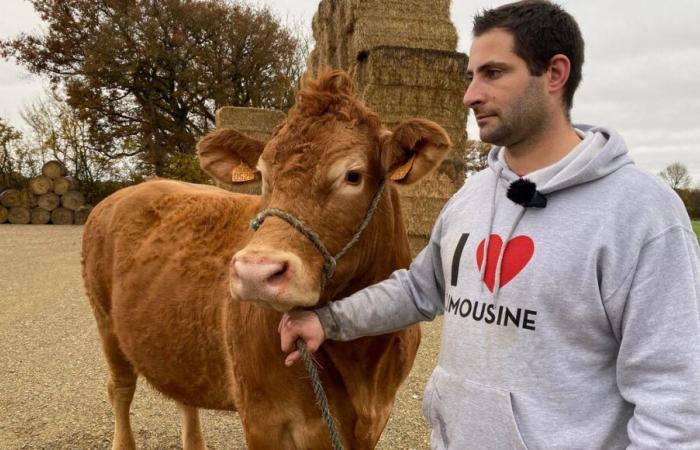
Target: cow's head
{"points": [[323, 166]]}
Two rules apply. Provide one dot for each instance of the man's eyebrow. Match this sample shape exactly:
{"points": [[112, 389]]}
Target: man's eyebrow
{"points": [[487, 65]]}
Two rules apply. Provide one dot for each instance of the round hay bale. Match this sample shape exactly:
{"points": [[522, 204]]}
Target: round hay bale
{"points": [[41, 185], [61, 185], [72, 200], [81, 214], [40, 216], [27, 199], [62, 216], [49, 201], [53, 169], [19, 215], [10, 198], [4, 212]]}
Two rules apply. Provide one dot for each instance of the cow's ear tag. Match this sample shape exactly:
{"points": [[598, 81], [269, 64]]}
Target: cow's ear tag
{"points": [[400, 172], [242, 173]]}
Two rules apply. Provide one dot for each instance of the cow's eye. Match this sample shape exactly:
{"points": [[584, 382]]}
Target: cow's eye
{"points": [[353, 177]]}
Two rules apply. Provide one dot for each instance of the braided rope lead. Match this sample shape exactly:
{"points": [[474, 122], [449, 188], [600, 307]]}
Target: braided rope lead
{"points": [[330, 261], [368, 216], [321, 399]]}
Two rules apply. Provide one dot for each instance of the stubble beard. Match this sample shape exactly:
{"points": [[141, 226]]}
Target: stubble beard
{"points": [[525, 116]]}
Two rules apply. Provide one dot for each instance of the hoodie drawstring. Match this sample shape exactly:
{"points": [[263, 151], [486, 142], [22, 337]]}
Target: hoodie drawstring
{"points": [[497, 281], [504, 242], [482, 271]]}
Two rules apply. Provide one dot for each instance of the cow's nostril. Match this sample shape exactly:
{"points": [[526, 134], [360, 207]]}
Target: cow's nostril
{"points": [[279, 275]]}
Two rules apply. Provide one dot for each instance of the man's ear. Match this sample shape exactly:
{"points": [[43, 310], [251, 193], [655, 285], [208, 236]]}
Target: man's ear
{"points": [[229, 156], [412, 149]]}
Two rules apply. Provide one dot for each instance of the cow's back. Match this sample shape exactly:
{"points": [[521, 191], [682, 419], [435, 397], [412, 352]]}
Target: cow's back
{"points": [[155, 266]]}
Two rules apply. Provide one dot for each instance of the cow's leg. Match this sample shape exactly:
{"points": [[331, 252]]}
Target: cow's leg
{"points": [[192, 436], [120, 387]]}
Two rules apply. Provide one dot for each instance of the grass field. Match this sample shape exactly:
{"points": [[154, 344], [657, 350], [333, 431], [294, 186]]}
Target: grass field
{"points": [[696, 228]]}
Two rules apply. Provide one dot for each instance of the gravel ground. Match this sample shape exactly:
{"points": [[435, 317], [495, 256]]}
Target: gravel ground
{"points": [[52, 388]]}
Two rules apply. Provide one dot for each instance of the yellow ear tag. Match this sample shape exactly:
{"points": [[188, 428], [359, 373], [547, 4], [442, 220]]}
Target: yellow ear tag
{"points": [[400, 172], [242, 173]]}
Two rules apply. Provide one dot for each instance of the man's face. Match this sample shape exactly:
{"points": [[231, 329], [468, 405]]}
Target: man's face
{"points": [[509, 104]]}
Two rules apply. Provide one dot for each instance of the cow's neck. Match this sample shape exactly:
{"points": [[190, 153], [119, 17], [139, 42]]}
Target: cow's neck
{"points": [[383, 249], [382, 362]]}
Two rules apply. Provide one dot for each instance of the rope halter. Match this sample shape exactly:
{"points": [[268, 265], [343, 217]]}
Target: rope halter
{"points": [[330, 261]]}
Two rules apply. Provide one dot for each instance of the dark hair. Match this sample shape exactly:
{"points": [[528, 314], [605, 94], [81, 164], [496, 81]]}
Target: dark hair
{"points": [[540, 30]]}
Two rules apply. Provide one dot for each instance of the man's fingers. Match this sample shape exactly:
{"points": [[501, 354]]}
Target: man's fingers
{"points": [[287, 339], [283, 321], [292, 358]]}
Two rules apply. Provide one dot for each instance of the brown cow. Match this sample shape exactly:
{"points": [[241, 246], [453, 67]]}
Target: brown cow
{"points": [[188, 296]]}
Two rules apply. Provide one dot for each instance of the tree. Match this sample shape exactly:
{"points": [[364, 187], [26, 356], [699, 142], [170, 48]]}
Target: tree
{"points": [[147, 76], [476, 156], [14, 158], [676, 175], [8, 137]]}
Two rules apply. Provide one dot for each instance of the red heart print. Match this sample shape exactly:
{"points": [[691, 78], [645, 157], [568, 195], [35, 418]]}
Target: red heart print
{"points": [[518, 253]]}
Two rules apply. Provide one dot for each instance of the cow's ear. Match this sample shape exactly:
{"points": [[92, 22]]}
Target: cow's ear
{"points": [[229, 156], [412, 149]]}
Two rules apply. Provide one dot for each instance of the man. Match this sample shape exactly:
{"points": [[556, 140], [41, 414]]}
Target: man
{"points": [[571, 301]]}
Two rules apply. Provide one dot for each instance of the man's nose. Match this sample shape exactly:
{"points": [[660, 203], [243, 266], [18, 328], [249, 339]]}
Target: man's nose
{"points": [[473, 95]]}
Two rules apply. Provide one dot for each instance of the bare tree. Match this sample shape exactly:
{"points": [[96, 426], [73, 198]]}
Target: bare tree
{"points": [[476, 156], [16, 161], [676, 175], [8, 137], [60, 133]]}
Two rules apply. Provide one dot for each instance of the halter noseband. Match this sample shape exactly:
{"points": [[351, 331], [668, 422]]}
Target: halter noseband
{"points": [[330, 261]]}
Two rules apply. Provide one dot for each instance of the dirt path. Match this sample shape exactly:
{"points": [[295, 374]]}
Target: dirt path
{"points": [[52, 374]]}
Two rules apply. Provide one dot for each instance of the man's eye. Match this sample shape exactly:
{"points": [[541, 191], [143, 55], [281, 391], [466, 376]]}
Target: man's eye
{"points": [[493, 74], [353, 177]]}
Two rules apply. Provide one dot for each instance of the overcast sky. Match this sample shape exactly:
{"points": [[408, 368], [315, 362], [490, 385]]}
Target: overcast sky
{"points": [[641, 75]]}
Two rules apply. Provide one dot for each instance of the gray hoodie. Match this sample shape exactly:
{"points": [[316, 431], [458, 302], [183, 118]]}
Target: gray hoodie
{"points": [[582, 333]]}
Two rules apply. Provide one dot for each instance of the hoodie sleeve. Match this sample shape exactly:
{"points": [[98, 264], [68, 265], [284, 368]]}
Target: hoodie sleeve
{"points": [[406, 297], [656, 317]]}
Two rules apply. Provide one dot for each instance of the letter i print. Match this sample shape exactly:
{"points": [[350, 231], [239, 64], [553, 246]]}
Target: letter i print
{"points": [[456, 257]]}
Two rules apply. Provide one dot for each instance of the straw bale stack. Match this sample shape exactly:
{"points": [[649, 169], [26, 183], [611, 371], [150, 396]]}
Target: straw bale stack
{"points": [[19, 215], [81, 214], [256, 123], [40, 216], [61, 185], [53, 169], [345, 30], [51, 197], [41, 185], [62, 216], [401, 55], [400, 83], [10, 198]]}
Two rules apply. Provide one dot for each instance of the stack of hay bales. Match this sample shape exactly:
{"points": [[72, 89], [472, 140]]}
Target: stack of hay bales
{"points": [[346, 30], [52, 197], [402, 58], [256, 123]]}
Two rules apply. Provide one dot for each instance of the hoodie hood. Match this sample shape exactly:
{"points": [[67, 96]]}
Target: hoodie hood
{"points": [[601, 152]]}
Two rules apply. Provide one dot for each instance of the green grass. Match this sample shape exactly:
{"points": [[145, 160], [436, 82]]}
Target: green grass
{"points": [[696, 228]]}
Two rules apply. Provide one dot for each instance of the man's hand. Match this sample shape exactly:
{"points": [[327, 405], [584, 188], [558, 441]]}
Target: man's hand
{"points": [[300, 324]]}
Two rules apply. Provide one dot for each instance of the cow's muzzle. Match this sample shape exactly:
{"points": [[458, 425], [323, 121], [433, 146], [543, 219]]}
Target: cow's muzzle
{"points": [[271, 277]]}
